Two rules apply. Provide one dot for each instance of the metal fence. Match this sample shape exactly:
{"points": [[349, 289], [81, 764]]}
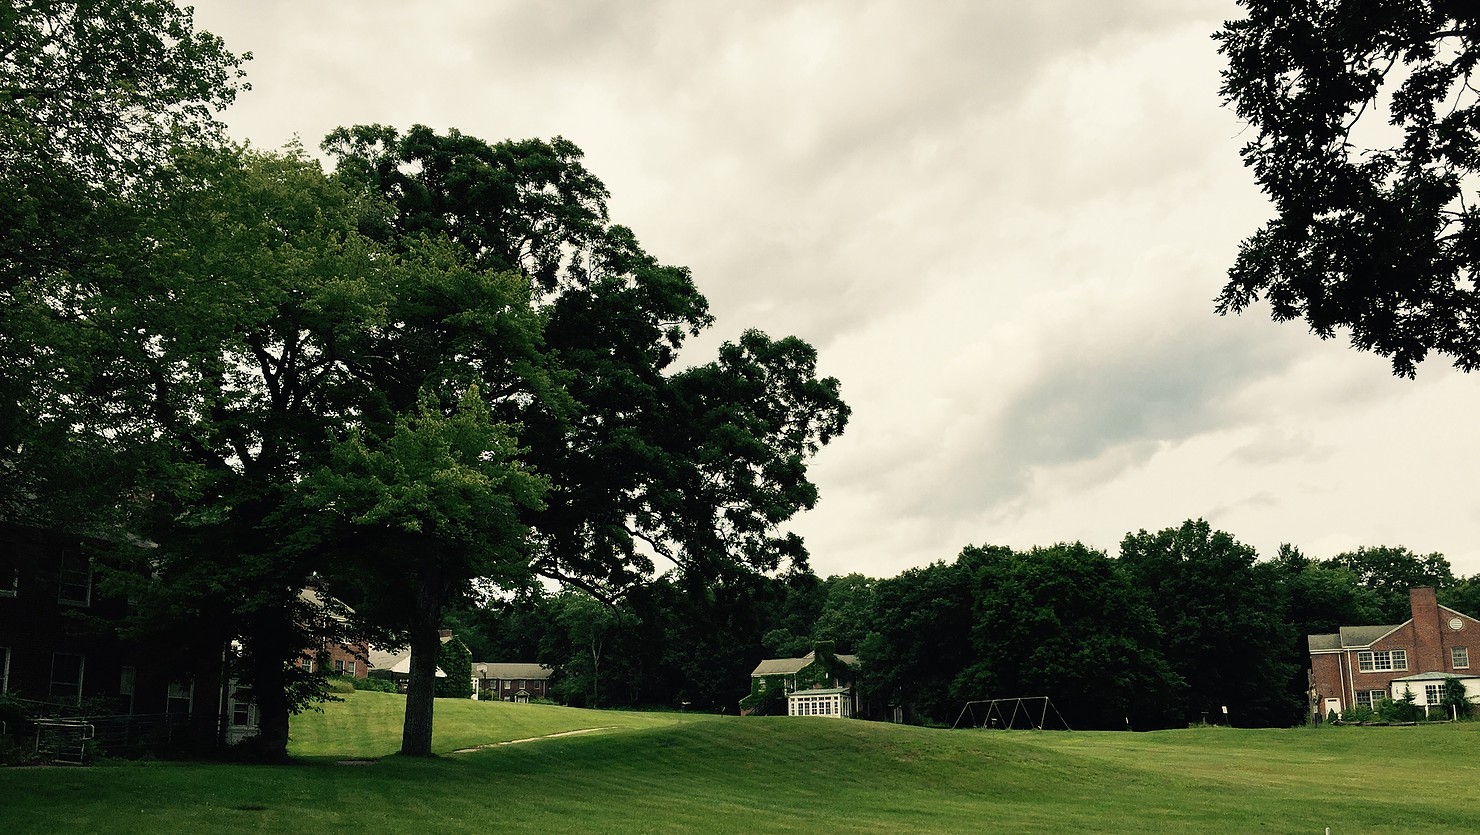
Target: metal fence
{"points": [[80, 739]]}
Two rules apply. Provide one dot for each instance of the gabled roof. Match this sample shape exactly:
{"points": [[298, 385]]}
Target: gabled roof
{"points": [[789, 666], [1366, 636], [396, 662], [489, 669], [1351, 637], [775, 666]]}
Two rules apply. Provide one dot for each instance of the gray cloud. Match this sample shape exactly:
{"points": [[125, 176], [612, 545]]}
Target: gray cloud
{"points": [[1001, 223]]}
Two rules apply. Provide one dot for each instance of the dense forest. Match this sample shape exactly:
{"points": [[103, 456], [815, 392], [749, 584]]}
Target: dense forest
{"points": [[1180, 623]]}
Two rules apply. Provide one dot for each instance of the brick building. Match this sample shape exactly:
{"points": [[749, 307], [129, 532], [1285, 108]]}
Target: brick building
{"points": [[57, 641], [510, 682], [1360, 665]]}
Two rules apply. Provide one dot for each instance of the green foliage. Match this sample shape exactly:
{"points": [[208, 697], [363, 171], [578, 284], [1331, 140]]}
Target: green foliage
{"points": [[1456, 699], [1374, 231], [374, 684], [586, 629], [457, 662], [921, 637], [1223, 622], [767, 696], [1066, 622], [1403, 709], [93, 98], [341, 684], [699, 467], [847, 612], [1388, 573], [108, 85]]}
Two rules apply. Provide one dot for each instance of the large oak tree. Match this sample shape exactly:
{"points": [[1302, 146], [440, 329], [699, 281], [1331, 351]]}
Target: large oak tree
{"points": [[649, 465]]}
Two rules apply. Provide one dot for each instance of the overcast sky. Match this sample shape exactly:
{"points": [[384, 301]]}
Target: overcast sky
{"points": [[1002, 224]]}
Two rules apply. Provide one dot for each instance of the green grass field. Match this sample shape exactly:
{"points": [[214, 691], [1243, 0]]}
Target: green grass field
{"points": [[654, 772]]}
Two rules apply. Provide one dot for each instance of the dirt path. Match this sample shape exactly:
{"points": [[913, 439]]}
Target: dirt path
{"points": [[531, 739]]}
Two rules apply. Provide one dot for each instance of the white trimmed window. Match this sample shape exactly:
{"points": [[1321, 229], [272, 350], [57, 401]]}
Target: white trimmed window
{"points": [[349, 667], [241, 707], [1370, 698], [1372, 661], [1459, 657], [66, 676], [339, 666], [180, 699], [1433, 694]]}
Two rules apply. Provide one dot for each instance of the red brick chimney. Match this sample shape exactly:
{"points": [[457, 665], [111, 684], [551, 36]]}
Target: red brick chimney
{"points": [[1428, 644]]}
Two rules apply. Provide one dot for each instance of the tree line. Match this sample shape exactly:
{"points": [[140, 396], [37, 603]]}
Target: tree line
{"points": [[1179, 624]]}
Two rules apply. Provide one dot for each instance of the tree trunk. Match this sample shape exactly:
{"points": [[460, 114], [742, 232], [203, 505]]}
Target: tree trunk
{"points": [[426, 645], [269, 685]]}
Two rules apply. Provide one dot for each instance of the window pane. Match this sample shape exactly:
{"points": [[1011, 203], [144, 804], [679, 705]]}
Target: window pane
{"points": [[76, 579], [66, 676]]}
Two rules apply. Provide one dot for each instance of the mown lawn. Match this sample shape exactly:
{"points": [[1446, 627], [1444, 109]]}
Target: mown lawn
{"points": [[717, 775]]}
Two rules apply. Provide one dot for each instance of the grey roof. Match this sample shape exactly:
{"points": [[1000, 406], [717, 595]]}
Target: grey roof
{"points": [[511, 670], [788, 666], [1320, 643], [1365, 636], [1350, 637], [1436, 676], [824, 691], [774, 666]]}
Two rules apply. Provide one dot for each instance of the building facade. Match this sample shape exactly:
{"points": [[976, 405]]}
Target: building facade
{"points": [[1358, 666], [510, 682]]}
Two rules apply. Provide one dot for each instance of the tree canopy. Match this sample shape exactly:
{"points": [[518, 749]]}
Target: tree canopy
{"points": [[93, 97], [1377, 226]]}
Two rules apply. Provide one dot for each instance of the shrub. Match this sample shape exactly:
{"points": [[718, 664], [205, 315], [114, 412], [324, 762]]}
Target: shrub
{"points": [[1454, 701], [1402, 710], [375, 684]]}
